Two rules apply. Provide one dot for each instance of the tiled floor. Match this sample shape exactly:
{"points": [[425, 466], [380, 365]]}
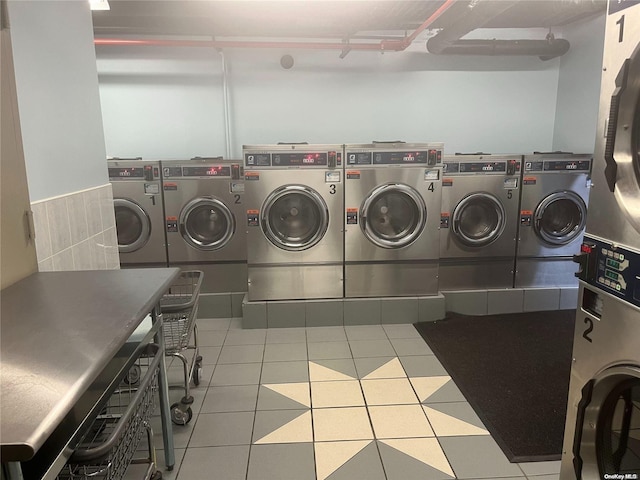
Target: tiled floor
{"points": [[330, 403]]}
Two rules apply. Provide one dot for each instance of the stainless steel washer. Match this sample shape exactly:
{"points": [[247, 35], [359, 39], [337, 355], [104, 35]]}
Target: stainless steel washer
{"points": [[392, 215], [137, 201], [293, 211], [602, 432], [479, 221], [553, 214], [204, 211]]}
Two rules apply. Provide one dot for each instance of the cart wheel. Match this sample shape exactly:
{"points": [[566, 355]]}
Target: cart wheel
{"points": [[199, 359], [179, 416], [197, 375], [133, 376], [157, 475]]}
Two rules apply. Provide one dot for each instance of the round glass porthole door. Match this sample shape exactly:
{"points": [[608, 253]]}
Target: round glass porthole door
{"points": [[610, 433], [478, 219], [206, 223], [133, 226], [294, 217], [560, 217], [393, 215]]}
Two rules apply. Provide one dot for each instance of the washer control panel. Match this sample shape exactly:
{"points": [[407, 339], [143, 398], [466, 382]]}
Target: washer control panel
{"points": [[611, 268]]}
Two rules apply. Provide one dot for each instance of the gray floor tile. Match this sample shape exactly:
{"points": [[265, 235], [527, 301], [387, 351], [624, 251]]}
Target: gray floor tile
{"points": [[344, 366], [326, 334], [447, 393], [210, 355], [460, 410], [329, 350], [324, 313], [401, 331], [136, 472], [365, 332], [236, 374], [371, 348], [228, 463], [293, 461], [540, 468], [220, 429], [241, 354], [268, 422], [544, 477], [238, 398], [365, 366], [181, 433], [286, 335], [410, 346], [271, 400], [400, 466], [422, 366], [477, 457], [235, 324], [366, 464], [207, 324], [211, 338], [285, 372], [283, 352], [254, 336]]}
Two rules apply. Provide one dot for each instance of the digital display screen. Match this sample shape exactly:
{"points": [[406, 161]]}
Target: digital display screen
{"points": [[399, 158], [358, 158], [473, 167], [573, 166], [207, 171], [133, 172], [613, 263], [299, 159], [611, 275]]}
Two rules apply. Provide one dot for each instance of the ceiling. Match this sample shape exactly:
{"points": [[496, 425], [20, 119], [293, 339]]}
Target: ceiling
{"points": [[337, 19]]}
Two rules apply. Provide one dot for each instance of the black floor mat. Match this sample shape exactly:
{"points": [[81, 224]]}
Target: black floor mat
{"points": [[514, 371]]}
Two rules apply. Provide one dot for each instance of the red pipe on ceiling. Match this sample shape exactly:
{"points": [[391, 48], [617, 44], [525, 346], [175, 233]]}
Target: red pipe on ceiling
{"points": [[384, 45]]}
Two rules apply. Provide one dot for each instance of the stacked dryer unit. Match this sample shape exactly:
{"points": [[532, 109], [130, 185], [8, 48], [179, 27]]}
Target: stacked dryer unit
{"points": [[137, 200], [479, 221], [204, 220], [293, 215], [602, 432], [553, 215], [391, 219]]}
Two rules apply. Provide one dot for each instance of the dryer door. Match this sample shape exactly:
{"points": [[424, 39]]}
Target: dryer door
{"points": [[478, 219], [560, 217], [393, 215], [294, 217], [206, 223], [133, 225], [607, 438]]}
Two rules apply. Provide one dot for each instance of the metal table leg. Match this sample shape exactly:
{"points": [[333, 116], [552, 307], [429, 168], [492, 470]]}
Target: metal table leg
{"points": [[163, 384]]}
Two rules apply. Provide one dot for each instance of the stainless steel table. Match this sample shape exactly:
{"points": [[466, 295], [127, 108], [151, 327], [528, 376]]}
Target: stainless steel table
{"points": [[65, 340]]}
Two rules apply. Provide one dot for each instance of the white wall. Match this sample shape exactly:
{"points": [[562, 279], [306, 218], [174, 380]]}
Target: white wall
{"points": [[167, 102], [58, 96], [579, 87]]}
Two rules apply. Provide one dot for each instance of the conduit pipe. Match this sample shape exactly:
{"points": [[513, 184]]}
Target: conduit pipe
{"points": [[385, 45], [225, 105]]}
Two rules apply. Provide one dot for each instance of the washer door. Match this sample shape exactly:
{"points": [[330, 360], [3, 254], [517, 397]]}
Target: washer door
{"points": [[607, 437], [133, 225], [206, 223], [393, 215], [294, 217], [478, 219], [560, 217]]}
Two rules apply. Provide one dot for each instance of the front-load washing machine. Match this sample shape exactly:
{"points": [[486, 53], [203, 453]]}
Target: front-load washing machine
{"points": [[602, 433], [137, 201], [204, 210], [392, 219], [553, 214], [294, 201], [479, 221]]}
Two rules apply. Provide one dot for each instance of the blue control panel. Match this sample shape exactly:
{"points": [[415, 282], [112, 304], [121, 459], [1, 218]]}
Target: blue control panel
{"points": [[613, 269]]}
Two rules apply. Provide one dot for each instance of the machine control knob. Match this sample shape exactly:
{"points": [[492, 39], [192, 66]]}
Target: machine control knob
{"points": [[332, 160], [586, 260], [511, 167], [235, 171], [148, 172]]}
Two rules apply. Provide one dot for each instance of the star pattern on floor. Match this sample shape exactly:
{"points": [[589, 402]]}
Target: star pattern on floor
{"points": [[345, 412]]}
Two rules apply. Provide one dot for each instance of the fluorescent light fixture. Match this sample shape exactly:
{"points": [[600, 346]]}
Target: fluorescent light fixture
{"points": [[99, 5]]}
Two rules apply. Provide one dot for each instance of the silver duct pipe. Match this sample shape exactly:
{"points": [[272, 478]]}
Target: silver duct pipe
{"points": [[477, 14], [225, 106]]}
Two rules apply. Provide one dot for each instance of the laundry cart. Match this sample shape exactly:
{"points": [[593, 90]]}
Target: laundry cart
{"points": [[109, 445], [179, 308]]}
